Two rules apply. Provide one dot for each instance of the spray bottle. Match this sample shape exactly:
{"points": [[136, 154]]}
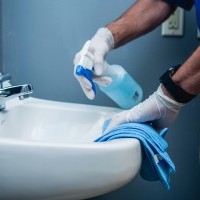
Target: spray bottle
{"points": [[123, 89]]}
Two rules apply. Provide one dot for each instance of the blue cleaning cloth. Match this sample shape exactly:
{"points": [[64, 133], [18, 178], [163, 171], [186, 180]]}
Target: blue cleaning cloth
{"points": [[156, 163]]}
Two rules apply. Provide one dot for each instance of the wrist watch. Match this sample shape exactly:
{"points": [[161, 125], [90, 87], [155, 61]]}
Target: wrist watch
{"points": [[176, 91]]}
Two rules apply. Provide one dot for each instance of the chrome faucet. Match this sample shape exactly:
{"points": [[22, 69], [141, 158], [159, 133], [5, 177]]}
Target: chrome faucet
{"points": [[7, 93]]}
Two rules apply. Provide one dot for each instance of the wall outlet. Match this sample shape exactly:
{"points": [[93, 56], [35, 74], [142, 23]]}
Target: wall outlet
{"points": [[173, 26]]}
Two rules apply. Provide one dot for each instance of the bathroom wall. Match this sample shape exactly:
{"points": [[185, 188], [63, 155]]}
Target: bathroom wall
{"points": [[40, 39]]}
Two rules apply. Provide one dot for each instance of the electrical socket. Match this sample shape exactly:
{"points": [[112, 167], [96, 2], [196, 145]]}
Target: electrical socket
{"points": [[173, 26], [173, 21]]}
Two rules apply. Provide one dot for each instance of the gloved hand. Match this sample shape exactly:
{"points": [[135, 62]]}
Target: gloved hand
{"points": [[100, 45], [158, 109]]}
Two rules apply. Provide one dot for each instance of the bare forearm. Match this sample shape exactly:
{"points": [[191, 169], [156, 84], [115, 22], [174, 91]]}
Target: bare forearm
{"points": [[188, 76], [140, 18]]}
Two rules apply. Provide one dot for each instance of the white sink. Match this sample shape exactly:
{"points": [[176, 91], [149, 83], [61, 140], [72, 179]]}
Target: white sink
{"points": [[47, 152]]}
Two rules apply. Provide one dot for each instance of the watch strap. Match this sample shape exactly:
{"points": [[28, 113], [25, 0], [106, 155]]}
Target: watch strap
{"points": [[176, 91]]}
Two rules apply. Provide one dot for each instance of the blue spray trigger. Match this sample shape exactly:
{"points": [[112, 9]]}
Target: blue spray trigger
{"points": [[81, 71]]}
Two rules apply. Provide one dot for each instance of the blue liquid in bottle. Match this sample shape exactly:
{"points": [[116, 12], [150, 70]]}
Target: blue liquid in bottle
{"points": [[123, 89]]}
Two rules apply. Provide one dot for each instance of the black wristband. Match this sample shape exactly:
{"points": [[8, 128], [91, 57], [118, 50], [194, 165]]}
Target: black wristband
{"points": [[176, 91]]}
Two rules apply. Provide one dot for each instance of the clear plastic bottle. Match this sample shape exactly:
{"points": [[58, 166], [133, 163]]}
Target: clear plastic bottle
{"points": [[123, 89]]}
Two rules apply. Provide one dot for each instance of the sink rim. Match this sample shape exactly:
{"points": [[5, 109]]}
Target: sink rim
{"points": [[113, 143], [32, 101]]}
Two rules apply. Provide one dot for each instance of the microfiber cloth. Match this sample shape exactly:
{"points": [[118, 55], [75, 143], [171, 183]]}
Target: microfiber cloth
{"points": [[156, 163]]}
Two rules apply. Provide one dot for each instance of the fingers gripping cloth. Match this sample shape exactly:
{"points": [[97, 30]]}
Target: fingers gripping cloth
{"points": [[156, 163]]}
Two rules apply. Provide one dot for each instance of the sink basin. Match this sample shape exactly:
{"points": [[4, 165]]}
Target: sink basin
{"points": [[47, 152]]}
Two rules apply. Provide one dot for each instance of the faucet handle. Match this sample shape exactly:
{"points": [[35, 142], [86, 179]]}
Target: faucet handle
{"points": [[4, 77]]}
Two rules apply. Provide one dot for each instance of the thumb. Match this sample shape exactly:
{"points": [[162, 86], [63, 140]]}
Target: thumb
{"points": [[102, 80], [117, 119]]}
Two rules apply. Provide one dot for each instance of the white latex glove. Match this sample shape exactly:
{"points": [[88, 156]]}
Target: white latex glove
{"points": [[100, 45], [158, 109]]}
